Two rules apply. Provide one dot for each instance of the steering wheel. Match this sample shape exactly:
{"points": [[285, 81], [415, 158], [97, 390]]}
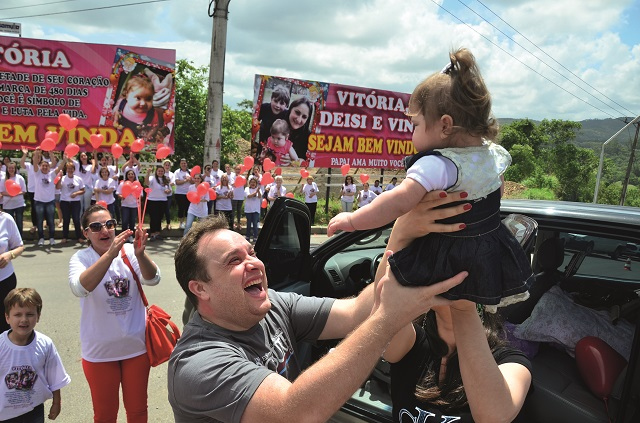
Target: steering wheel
{"points": [[375, 263]]}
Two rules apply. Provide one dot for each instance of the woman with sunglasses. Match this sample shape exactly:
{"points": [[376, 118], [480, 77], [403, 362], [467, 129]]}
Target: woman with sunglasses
{"points": [[112, 323]]}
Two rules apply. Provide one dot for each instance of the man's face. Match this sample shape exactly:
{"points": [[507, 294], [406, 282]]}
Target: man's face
{"points": [[237, 292], [215, 166]]}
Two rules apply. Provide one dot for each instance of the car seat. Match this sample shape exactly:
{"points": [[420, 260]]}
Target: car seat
{"points": [[550, 257]]}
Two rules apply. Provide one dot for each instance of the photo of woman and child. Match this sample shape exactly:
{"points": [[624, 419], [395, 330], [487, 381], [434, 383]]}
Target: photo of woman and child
{"points": [[284, 127]]}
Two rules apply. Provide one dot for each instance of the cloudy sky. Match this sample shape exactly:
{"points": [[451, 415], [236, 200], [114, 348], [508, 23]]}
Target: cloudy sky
{"points": [[565, 59]]}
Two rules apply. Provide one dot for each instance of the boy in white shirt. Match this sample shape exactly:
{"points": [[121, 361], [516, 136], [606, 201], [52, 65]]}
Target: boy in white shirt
{"points": [[29, 362]]}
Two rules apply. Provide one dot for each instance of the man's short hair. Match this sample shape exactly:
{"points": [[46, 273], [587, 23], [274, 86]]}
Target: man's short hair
{"points": [[23, 297], [189, 264]]}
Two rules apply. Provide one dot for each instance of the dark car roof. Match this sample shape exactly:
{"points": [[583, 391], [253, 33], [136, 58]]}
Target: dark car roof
{"points": [[621, 222]]}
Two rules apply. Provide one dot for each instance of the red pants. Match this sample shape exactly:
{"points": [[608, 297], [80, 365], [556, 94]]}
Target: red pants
{"points": [[104, 382]]}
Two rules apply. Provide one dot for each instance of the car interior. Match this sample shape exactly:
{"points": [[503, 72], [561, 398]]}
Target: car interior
{"points": [[580, 292]]}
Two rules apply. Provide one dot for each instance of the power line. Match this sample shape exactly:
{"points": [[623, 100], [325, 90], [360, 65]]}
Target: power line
{"points": [[549, 56], [36, 5], [87, 10], [529, 67]]}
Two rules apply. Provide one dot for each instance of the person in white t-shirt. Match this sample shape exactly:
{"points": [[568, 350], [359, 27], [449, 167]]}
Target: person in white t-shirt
{"points": [[392, 185], [132, 164], [88, 176], [104, 188], [182, 179], [45, 196], [14, 204], [113, 317], [71, 191], [160, 186], [347, 194], [252, 202], [310, 191], [129, 204], [199, 210], [365, 195], [10, 248], [376, 187], [276, 190], [29, 362], [238, 197], [172, 181], [224, 195], [29, 169]]}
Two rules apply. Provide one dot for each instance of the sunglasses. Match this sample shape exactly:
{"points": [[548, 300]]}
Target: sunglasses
{"points": [[97, 226]]}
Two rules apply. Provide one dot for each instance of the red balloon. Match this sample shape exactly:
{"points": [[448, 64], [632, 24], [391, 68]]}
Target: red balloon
{"points": [[96, 140], [127, 188], [48, 144], [289, 195], [57, 178], [193, 197], [136, 189], [268, 164], [195, 170], [163, 152], [67, 122], [240, 181], [345, 169], [12, 187], [304, 173], [599, 364], [248, 162], [202, 189], [278, 171], [102, 203], [212, 194], [364, 178], [137, 145], [266, 179], [71, 150], [264, 203], [116, 150], [53, 135]]}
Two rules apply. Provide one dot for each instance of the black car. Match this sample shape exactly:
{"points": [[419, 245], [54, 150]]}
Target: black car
{"points": [[567, 261]]}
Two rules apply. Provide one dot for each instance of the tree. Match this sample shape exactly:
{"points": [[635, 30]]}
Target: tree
{"points": [[191, 107], [236, 125], [523, 163]]}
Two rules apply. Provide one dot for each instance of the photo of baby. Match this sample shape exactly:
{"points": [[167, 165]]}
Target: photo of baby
{"points": [[141, 100]]}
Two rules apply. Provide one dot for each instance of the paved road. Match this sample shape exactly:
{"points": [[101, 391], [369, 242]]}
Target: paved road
{"points": [[46, 269]]}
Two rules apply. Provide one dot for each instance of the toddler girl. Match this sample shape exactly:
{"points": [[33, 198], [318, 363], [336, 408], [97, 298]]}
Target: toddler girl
{"points": [[453, 129], [134, 109], [279, 142]]}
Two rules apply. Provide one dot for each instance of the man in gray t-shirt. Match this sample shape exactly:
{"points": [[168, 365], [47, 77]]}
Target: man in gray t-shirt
{"points": [[237, 359]]}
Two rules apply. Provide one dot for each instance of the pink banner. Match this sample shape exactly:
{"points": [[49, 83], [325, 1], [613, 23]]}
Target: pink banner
{"points": [[121, 93], [318, 124]]}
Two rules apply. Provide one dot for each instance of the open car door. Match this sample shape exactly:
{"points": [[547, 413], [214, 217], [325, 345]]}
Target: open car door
{"points": [[283, 246]]}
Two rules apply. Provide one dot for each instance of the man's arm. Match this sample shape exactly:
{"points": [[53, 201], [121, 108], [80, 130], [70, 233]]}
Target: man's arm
{"points": [[338, 374]]}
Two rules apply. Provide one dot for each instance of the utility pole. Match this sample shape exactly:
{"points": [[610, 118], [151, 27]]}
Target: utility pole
{"points": [[213, 127], [625, 183]]}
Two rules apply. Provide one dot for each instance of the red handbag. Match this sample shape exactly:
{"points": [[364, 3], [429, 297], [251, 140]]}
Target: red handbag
{"points": [[161, 333]]}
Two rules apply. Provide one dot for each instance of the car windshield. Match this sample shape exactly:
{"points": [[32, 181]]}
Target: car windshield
{"points": [[599, 257]]}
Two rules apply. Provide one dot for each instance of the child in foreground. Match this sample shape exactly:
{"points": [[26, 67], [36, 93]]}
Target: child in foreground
{"points": [[453, 132], [29, 362]]}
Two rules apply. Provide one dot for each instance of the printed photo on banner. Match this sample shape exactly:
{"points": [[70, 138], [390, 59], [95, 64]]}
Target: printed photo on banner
{"points": [[140, 96], [317, 124], [80, 90]]}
